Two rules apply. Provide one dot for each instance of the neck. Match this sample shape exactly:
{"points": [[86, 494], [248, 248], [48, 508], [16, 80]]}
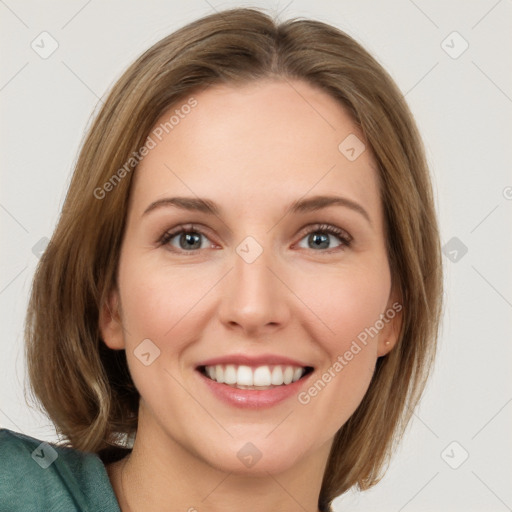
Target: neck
{"points": [[160, 473]]}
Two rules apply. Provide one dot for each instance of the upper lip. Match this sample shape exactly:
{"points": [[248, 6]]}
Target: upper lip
{"points": [[260, 360]]}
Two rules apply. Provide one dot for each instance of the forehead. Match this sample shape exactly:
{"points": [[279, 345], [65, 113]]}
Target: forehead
{"points": [[262, 142]]}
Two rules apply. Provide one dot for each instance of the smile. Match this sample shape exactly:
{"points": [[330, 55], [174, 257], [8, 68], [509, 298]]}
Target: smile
{"points": [[256, 378]]}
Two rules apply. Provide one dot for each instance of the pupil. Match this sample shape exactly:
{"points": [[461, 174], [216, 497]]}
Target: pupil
{"points": [[191, 241], [318, 240]]}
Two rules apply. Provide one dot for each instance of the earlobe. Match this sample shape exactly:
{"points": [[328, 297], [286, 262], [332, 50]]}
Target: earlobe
{"points": [[385, 348], [392, 320], [110, 322]]}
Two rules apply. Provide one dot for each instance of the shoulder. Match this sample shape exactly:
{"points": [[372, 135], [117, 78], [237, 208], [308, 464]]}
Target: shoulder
{"points": [[37, 475]]}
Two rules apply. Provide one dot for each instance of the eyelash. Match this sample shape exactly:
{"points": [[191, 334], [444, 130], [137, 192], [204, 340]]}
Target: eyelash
{"points": [[342, 235]]}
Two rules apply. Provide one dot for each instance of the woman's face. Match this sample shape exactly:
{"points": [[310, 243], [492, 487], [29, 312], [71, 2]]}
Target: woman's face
{"points": [[257, 286]]}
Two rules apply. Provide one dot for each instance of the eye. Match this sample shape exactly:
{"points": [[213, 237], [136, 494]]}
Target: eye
{"points": [[190, 238], [187, 238], [319, 237]]}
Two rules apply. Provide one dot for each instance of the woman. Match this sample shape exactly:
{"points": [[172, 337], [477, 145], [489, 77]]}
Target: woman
{"points": [[240, 303]]}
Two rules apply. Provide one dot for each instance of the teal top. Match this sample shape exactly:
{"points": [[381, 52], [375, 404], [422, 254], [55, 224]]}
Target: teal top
{"points": [[36, 476]]}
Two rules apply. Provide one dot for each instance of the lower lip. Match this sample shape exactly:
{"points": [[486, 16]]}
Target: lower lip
{"points": [[253, 398]]}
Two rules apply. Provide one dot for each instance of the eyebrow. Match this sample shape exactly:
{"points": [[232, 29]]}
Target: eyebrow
{"points": [[209, 207]]}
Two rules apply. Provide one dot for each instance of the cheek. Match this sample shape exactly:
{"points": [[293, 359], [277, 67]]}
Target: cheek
{"points": [[160, 306], [347, 306], [341, 382], [156, 302]]}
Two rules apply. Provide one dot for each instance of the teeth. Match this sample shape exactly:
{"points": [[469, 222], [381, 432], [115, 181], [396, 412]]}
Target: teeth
{"points": [[218, 373], [229, 374], [297, 374], [244, 376], [277, 376], [261, 377], [288, 374]]}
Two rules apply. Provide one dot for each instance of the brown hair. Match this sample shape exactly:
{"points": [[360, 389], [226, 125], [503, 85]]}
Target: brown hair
{"points": [[84, 387]]}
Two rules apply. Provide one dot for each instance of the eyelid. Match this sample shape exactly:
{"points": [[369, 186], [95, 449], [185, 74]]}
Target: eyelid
{"points": [[328, 228]]}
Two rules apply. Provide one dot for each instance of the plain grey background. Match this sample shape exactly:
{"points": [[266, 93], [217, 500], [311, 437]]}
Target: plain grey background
{"points": [[449, 59]]}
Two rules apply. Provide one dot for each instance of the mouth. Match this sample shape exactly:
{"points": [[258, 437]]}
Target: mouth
{"points": [[257, 378]]}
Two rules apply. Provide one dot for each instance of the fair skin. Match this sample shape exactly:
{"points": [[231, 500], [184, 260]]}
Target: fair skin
{"points": [[253, 150]]}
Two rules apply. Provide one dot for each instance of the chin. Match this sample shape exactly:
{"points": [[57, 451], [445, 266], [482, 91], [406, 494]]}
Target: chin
{"points": [[257, 456]]}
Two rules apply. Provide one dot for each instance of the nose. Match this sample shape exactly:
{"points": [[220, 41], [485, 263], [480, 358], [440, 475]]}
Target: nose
{"points": [[255, 298]]}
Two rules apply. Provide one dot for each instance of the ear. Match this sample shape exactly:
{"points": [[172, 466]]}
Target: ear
{"points": [[110, 324], [392, 319]]}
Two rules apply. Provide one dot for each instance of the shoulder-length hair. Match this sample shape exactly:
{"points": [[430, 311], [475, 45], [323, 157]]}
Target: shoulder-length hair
{"points": [[84, 387]]}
